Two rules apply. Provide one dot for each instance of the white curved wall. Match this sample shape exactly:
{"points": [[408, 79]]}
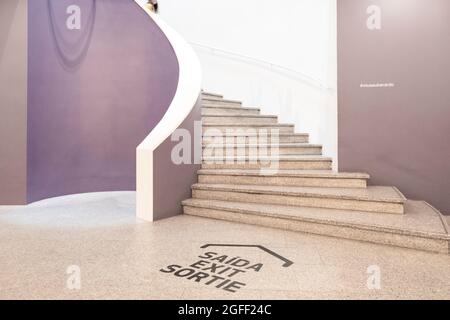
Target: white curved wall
{"points": [[297, 34]]}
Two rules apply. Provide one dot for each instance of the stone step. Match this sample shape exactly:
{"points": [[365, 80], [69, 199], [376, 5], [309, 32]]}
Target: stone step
{"points": [[211, 149], [239, 119], [209, 101], [211, 95], [211, 111], [270, 162], [421, 228], [294, 178], [253, 138], [372, 199], [233, 129], [221, 105], [218, 98]]}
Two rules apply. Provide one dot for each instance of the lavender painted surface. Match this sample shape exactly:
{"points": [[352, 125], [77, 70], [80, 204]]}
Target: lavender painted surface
{"points": [[172, 183], [93, 96], [13, 101], [399, 135]]}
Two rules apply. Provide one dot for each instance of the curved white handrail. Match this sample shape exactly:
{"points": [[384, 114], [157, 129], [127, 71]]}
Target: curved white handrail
{"points": [[268, 65], [188, 90]]}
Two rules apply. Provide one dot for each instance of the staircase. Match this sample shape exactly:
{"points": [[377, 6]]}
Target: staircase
{"points": [[304, 194]]}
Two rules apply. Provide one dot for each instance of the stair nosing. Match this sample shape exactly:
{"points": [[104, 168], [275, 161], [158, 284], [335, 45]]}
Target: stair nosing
{"points": [[257, 116], [279, 158], [231, 107], [212, 94], [251, 134], [280, 145], [279, 173], [287, 125], [228, 108], [222, 100]]}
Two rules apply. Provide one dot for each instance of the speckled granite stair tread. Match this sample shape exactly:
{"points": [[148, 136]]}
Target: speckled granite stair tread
{"points": [[241, 116], [285, 173], [230, 108], [211, 94], [249, 125], [274, 158], [207, 99], [420, 219], [372, 193], [253, 134], [268, 145]]}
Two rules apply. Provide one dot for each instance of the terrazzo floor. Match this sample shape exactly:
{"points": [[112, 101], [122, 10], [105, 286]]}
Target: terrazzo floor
{"points": [[92, 247]]}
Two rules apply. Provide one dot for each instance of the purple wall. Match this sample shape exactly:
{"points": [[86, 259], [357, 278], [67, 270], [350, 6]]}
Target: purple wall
{"points": [[399, 135], [13, 102], [93, 94]]}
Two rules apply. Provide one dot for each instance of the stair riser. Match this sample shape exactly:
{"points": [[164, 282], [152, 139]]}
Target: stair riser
{"points": [[229, 111], [282, 165], [230, 130], [217, 151], [283, 181], [239, 120], [300, 201], [343, 232]]}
